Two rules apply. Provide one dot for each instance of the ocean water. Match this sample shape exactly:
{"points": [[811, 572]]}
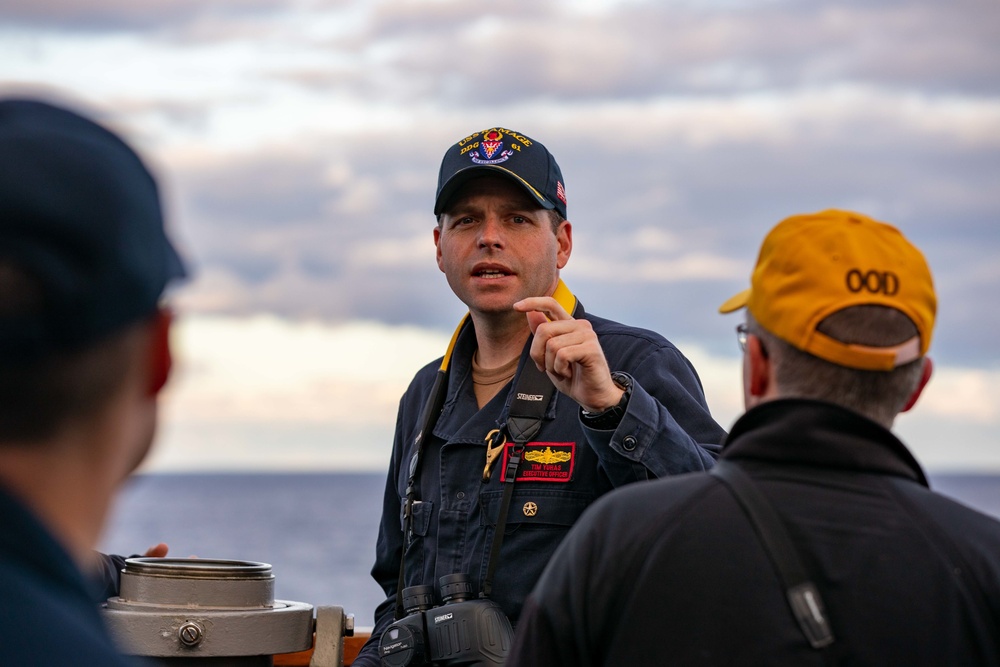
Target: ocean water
{"points": [[316, 530]]}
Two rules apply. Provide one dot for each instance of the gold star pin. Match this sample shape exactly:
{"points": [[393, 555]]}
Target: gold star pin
{"points": [[530, 509]]}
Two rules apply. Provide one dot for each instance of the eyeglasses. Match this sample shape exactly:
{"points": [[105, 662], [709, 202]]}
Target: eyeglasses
{"points": [[742, 331]]}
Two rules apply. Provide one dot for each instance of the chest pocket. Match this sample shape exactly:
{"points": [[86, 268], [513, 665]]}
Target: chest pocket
{"points": [[422, 511], [531, 506]]}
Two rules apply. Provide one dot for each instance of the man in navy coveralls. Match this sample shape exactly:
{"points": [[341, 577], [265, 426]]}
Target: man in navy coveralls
{"points": [[502, 237]]}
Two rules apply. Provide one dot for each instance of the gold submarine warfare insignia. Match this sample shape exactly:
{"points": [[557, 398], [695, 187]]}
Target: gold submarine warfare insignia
{"points": [[547, 456]]}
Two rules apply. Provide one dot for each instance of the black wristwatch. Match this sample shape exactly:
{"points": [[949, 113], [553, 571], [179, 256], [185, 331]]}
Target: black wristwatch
{"points": [[609, 419]]}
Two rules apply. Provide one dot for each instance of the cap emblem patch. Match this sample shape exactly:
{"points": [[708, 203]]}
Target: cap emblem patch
{"points": [[491, 150], [491, 144]]}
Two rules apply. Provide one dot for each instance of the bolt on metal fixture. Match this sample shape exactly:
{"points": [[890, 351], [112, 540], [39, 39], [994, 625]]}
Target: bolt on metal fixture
{"points": [[216, 612], [190, 633]]}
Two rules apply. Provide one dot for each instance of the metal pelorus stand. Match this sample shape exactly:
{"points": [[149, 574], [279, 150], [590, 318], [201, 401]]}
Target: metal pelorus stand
{"points": [[204, 612]]}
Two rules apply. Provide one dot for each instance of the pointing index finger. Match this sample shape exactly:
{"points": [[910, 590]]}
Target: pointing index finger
{"points": [[543, 304]]}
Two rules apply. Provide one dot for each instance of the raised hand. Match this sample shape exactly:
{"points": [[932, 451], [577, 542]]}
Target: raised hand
{"points": [[568, 351]]}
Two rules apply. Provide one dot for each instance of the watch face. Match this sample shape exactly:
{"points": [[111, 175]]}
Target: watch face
{"points": [[623, 380]]}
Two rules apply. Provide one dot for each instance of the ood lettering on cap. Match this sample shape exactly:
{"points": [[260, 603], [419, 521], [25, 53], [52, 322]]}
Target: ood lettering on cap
{"points": [[811, 266]]}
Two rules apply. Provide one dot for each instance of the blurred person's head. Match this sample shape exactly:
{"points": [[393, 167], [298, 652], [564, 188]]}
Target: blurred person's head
{"points": [[84, 262]]}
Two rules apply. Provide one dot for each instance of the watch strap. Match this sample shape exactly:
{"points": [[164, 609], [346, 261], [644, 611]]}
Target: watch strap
{"points": [[608, 420]]}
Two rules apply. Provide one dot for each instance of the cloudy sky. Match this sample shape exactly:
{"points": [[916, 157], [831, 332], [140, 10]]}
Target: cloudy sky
{"points": [[297, 143]]}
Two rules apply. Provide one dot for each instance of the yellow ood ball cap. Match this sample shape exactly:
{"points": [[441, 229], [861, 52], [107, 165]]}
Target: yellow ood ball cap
{"points": [[811, 266]]}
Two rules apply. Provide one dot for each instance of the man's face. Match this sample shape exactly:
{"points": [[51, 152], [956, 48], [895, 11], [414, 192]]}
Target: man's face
{"points": [[497, 246]]}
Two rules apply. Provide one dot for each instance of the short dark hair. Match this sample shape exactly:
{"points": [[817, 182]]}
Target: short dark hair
{"points": [[879, 395], [40, 396]]}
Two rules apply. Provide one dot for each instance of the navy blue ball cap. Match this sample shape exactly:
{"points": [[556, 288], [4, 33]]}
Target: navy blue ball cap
{"points": [[80, 216], [511, 154]]}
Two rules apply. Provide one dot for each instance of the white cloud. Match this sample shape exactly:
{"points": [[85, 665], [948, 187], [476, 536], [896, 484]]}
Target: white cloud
{"points": [[271, 369], [392, 253], [607, 267], [300, 143], [782, 117], [649, 254], [721, 379], [963, 394], [266, 393]]}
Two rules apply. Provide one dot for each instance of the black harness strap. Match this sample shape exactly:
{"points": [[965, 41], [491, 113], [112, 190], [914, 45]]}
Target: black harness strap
{"points": [[532, 394], [802, 594], [432, 409]]}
